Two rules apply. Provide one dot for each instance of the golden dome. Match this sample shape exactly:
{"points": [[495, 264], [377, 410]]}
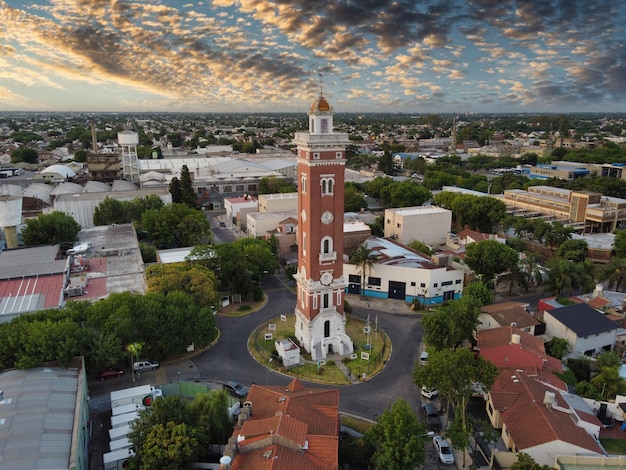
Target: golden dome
{"points": [[320, 104]]}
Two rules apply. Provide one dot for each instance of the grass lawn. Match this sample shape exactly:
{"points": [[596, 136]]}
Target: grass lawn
{"points": [[614, 446], [372, 343], [357, 424]]}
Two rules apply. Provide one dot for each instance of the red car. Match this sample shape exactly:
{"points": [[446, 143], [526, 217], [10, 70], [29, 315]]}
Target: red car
{"points": [[110, 373]]}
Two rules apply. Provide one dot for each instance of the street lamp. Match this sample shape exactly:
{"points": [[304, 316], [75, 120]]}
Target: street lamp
{"points": [[428, 434], [267, 381]]}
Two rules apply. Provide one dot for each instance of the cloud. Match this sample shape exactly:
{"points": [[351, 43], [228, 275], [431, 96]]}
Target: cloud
{"points": [[209, 54]]}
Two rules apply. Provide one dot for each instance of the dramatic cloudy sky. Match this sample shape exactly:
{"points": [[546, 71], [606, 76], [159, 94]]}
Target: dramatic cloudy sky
{"points": [[266, 55]]}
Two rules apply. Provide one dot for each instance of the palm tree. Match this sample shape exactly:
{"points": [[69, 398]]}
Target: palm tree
{"points": [[614, 272], [530, 265], [364, 258]]}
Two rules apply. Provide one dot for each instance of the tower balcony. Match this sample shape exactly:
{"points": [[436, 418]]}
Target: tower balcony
{"points": [[328, 257]]}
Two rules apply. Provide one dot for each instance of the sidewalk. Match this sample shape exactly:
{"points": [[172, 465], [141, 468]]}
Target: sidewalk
{"points": [[385, 305]]}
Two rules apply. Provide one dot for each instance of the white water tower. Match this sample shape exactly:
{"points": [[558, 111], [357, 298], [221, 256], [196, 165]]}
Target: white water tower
{"points": [[129, 140], [10, 218]]}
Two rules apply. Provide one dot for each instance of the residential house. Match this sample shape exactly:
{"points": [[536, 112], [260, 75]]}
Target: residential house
{"points": [[588, 331], [284, 428], [515, 314], [536, 418]]}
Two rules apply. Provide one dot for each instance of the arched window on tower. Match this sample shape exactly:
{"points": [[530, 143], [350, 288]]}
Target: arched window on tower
{"points": [[328, 185], [303, 184], [327, 252]]}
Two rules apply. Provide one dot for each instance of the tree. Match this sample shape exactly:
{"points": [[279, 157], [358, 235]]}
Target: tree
{"points": [[364, 258], [24, 154], [619, 244], [478, 290], [489, 257], [188, 194], [80, 155], [176, 225], [452, 324], [478, 212], [565, 276], [170, 447], [397, 439], [353, 200], [110, 211], [608, 359], [558, 347], [404, 194], [176, 191], [573, 250], [614, 272], [195, 280], [526, 462], [455, 374], [49, 229]]}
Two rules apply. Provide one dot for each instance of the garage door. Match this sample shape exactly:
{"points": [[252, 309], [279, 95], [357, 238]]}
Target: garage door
{"points": [[397, 290]]}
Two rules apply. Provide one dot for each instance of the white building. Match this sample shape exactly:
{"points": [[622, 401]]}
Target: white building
{"points": [[400, 273], [237, 209], [588, 331], [258, 224], [278, 202], [427, 224]]}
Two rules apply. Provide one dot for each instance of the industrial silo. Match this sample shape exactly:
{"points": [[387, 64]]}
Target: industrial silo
{"points": [[10, 218]]}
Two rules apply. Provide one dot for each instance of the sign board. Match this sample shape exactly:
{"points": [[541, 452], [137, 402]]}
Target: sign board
{"points": [[366, 329], [365, 356], [271, 327], [283, 318], [268, 336]]}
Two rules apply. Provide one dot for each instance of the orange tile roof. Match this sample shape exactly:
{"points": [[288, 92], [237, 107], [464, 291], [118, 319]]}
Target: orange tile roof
{"points": [[506, 313], [299, 425], [530, 422]]}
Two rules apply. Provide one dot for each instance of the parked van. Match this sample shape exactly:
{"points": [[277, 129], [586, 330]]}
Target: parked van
{"points": [[144, 365]]}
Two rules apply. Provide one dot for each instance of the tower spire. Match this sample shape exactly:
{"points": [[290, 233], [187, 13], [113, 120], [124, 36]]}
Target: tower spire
{"points": [[321, 83]]}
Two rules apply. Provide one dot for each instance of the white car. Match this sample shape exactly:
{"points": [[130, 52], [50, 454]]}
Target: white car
{"points": [[443, 449], [429, 392]]}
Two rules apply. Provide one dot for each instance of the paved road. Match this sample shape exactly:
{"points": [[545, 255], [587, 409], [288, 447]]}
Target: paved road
{"points": [[230, 359]]}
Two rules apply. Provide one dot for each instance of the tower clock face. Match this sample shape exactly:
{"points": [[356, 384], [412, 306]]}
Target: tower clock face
{"points": [[326, 278], [327, 217]]}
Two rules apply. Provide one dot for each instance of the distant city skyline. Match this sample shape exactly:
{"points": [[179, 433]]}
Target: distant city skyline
{"points": [[410, 56]]}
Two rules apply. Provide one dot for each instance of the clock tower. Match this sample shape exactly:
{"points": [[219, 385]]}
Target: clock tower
{"points": [[320, 318]]}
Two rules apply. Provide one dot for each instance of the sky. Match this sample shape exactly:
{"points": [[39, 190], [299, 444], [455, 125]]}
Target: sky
{"points": [[365, 56]]}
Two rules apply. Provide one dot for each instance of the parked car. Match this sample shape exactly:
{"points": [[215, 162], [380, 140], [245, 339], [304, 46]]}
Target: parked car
{"points": [[429, 392], [444, 450], [429, 409], [423, 358], [143, 365], [235, 389], [431, 417], [110, 373]]}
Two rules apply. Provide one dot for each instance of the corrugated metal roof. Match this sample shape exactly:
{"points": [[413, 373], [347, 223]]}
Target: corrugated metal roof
{"points": [[38, 409]]}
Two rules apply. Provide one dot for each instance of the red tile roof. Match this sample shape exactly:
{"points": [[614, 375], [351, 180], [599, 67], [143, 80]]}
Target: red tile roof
{"points": [[299, 425], [506, 313], [520, 400]]}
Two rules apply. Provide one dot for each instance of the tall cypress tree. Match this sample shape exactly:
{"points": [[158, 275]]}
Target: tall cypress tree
{"points": [[176, 191], [187, 192]]}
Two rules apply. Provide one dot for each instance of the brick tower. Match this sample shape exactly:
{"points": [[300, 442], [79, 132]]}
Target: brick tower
{"points": [[320, 318]]}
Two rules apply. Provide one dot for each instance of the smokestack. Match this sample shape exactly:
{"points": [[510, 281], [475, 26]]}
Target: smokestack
{"points": [[94, 139]]}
